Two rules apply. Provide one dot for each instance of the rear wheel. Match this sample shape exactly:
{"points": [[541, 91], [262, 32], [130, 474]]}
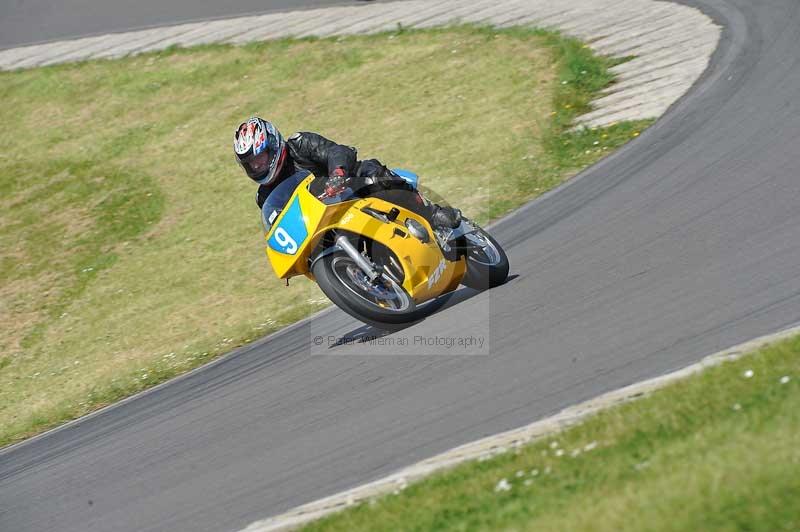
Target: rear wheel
{"points": [[487, 263]]}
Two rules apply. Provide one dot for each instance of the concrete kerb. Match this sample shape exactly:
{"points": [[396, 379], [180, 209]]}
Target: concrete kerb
{"points": [[657, 32]]}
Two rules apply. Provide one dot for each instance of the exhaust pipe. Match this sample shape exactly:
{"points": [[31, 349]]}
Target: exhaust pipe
{"points": [[367, 267]]}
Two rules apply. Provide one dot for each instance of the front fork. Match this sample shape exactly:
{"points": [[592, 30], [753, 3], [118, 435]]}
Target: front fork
{"points": [[448, 241], [366, 266]]}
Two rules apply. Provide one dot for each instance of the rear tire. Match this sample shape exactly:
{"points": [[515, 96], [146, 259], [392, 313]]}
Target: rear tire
{"points": [[487, 263]]}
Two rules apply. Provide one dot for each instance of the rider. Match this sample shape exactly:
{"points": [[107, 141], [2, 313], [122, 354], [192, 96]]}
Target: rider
{"points": [[279, 165]]}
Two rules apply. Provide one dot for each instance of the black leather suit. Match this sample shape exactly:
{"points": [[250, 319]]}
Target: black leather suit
{"points": [[320, 156]]}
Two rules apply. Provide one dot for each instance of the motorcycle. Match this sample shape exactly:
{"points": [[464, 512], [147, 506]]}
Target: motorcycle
{"points": [[378, 261]]}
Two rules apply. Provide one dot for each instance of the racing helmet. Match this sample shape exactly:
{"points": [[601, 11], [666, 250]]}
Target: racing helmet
{"points": [[260, 150]]}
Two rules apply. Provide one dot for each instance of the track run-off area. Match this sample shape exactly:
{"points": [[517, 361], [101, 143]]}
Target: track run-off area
{"points": [[683, 243]]}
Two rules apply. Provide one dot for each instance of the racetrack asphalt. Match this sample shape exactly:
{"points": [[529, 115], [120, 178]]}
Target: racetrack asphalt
{"points": [[32, 21], [681, 244]]}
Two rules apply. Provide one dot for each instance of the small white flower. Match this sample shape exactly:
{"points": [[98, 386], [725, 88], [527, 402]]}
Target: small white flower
{"points": [[554, 445], [564, 82], [737, 406], [503, 485], [560, 452], [520, 474], [590, 446], [785, 379], [748, 374], [575, 452], [535, 472], [528, 482]]}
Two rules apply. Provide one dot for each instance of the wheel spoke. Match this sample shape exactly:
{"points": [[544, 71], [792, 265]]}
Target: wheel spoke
{"points": [[385, 293], [484, 249]]}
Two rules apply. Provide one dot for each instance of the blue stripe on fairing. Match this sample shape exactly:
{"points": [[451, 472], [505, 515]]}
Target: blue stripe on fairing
{"points": [[294, 225]]}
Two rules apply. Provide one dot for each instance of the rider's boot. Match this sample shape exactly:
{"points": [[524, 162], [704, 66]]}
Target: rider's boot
{"points": [[446, 217]]}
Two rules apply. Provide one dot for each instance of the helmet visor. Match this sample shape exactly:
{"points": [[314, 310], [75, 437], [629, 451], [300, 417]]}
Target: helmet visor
{"points": [[258, 166]]}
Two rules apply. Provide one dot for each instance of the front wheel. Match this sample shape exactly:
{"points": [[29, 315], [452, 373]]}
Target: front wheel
{"points": [[382, 303], [487, 263]]}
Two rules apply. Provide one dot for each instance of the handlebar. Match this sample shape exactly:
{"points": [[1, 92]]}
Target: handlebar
{"points": [[334, 186]]}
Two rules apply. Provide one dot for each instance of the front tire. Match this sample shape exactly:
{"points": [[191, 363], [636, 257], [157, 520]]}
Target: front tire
{"points": [[384, 304], [487, 263]]}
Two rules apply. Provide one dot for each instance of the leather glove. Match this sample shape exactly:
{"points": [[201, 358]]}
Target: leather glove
{"points": [[335, 183]]}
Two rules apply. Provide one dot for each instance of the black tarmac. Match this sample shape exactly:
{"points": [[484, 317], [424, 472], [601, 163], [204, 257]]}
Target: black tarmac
{"points": [[685, 242]]}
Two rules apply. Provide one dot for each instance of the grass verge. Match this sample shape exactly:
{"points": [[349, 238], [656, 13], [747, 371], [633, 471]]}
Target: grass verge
{"points": [[718, 451], [131, 243]]}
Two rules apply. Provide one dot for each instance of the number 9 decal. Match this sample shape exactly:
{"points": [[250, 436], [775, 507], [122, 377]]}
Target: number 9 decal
{"points": [[291, 231], [286, 241]]}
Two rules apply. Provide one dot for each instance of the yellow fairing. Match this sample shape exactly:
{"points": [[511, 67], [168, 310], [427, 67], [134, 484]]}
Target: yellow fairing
{"points": [[427, 273], [313, 215]]}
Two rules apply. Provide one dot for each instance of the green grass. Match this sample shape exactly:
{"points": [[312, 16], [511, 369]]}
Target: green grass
{"points": [[718, 451], [132, 250]]}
